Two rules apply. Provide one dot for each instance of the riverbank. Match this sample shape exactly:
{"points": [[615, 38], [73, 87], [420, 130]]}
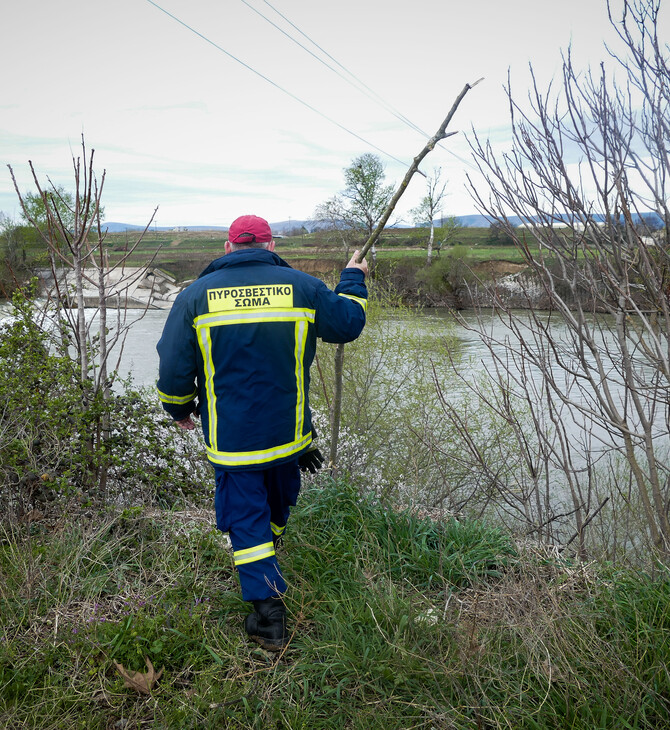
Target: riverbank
{"points": [[153, 287], [133, 618], [471, 263]]}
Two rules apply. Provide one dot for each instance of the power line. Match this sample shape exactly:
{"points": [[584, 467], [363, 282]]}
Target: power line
{"points": [[352, 81], [273, 83], [372, 93]]}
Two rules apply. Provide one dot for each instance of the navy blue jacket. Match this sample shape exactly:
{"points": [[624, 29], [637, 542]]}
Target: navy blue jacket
{"points": [[240, 340]]}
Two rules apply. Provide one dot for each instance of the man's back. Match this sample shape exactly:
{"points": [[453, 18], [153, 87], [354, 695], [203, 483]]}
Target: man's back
{"points": [[251, 322]]}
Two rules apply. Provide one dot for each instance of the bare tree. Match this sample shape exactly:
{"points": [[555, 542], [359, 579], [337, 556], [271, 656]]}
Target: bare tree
{"points": [[329, 216], [71, 228], [81, 289], [34, 209], [429, 207], [588, 163]]}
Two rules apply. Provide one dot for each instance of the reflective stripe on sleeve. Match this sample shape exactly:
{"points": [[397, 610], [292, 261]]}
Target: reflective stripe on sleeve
{"points": [[252, 554], [360, 300], [276, 530], [179, 400]]}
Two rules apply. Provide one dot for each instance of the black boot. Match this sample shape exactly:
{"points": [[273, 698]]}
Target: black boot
{"points": [[267, 624]]}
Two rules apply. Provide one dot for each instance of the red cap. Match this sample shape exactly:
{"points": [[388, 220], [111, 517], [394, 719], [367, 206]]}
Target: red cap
{"points": [[249, 229]]}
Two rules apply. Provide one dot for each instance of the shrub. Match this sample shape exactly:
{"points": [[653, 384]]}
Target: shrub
{"points": [[390, 411], [448, 273], [58, 443]]}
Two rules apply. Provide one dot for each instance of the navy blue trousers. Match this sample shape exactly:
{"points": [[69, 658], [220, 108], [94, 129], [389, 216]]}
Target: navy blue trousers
{"points": [[252, 507]]}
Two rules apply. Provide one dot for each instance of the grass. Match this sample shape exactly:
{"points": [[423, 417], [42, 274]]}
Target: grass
{"points": [[400, 622], [396, 244], [185, 253]]}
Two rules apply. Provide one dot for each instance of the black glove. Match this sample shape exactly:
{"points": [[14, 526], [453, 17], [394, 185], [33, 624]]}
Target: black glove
{"points": [[311, 460]]}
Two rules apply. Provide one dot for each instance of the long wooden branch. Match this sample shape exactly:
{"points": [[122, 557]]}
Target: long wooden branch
{"points": [[336, 409], [414, 167]]}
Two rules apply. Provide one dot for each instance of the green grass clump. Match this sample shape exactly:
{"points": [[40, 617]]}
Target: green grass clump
{"points": [[399, 621]]}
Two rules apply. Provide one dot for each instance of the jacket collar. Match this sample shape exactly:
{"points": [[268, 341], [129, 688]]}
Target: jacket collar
{"points": [[245, 256]]}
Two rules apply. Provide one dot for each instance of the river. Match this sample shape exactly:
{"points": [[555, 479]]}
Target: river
{"points": [[140, 360], [528, 465]]}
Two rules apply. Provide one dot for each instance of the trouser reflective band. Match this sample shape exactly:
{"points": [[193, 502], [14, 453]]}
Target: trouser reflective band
{"points": [[250, 555], [276, 530]]}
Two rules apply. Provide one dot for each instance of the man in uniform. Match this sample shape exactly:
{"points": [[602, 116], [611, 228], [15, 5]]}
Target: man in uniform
{"points": [[237, 348]]}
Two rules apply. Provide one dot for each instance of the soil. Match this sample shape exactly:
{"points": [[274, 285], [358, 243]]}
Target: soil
{"points": [[496, 269], [318, 266]]}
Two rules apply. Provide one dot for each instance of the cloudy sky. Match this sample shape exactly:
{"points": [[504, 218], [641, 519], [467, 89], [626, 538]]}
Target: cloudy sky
{"points": [[230, 116]]}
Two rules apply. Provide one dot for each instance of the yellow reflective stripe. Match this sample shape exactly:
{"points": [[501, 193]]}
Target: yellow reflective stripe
{"points": [[360, 300], [203, 324], [251, 555], [176, 399], [251, 316], [276, 530], [247, 458], [300, 342], [205, 342]]}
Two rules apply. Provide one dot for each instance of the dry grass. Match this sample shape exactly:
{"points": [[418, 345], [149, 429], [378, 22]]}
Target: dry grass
{"points": [[387, 634]]}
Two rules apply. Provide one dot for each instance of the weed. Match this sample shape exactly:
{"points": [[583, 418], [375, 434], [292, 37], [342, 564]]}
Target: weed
{"points": [[399, 621]]}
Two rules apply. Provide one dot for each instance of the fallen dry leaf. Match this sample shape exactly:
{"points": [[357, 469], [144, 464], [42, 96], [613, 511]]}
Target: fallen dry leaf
{"points": [[140, 681]]}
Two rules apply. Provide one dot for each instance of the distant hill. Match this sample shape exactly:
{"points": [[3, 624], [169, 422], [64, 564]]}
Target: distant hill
{"points": [[284, 227], [278, 227], [473, 221]]}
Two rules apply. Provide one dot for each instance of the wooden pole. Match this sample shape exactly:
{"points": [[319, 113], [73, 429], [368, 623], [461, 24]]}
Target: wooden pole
{"points": [[336, 409]]}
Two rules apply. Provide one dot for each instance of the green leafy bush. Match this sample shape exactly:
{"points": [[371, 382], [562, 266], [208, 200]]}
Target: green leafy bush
{"points": [[58, 442], [448, 273]]}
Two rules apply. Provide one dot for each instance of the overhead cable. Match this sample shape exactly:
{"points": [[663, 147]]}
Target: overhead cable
{"points": [[273, 83], [353, 80]]}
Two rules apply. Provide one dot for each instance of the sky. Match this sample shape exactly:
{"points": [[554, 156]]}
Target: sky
{"points": [[229, 116]]}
